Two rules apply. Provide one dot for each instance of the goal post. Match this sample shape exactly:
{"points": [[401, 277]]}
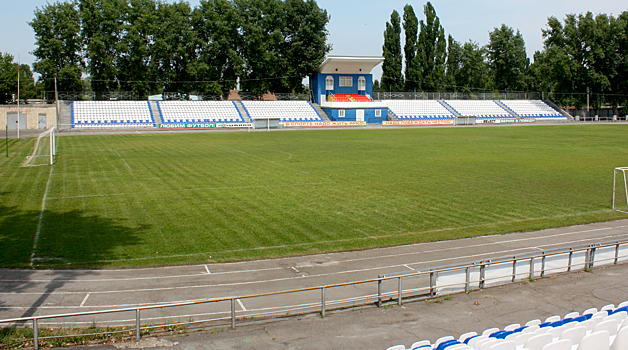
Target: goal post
{"points": [[620, 190], [45, 149]]}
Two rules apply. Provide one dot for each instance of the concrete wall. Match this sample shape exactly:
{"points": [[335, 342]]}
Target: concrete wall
{"points": [[32, 115]]}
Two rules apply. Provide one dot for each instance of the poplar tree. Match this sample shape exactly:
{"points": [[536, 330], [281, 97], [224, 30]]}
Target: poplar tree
{"points": [[392, 80], [411, 29], [431, 50]]}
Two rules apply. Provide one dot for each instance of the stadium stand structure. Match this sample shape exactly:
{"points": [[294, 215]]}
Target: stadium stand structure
{"points": [[111, 114], [418, 109], [177, 112], [606, 329], [480, 109], [533, 109], [288, 111]]}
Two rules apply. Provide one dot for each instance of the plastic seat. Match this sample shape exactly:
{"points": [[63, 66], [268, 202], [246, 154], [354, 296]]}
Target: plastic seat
{"points": [[420, 343], [520, 339], [621, 340], [608, 307], [485, 344], [595, 341], [504, 345], [537, 342], [564, 344], [552, 319], [622, 304], [476, 339], [610, 326], [490, 331], [556, 332], [575, 334], [464, 336], [512, 327], [442, 340], [530, 329], [572, 315], [619, 317], [533, 322]]}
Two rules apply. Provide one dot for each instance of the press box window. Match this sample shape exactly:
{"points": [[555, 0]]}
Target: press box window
{"points": [[341, 113], [378, 112], [329, 83], [346, 81]]}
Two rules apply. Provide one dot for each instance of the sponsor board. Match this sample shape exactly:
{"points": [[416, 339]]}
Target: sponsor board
{"points": [[203, 125], [418, 122], [323, 124], [505, 121]]}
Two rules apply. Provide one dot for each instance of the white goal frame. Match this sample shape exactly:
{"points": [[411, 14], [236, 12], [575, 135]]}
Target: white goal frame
{"points": [[53, 148], [623, 172]]}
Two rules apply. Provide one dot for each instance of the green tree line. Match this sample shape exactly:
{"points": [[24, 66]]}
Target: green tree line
{"points": [[582, 52], [150, 46]]}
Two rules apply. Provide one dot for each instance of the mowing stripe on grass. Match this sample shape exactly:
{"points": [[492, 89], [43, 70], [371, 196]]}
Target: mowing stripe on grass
{"points": [[41, 216]]}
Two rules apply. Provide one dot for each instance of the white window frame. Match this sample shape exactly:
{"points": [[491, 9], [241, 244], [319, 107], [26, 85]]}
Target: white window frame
{"points": [[361, 84], [341, 113], [329, 83], [378, 112], [345, 81]]}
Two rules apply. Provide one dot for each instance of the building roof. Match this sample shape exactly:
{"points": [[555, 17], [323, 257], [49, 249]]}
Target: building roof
{"points": [[349, 65]]}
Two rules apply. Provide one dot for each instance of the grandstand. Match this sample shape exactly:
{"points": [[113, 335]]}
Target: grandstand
{"points": [[287, 111], [111, 114], [606, 329], [418, 109], [532, 109], [199, 112], [480, 109]]}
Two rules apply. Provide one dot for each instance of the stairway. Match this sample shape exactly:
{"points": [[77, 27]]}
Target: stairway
{"points": [[449, 108], [65, 115], [320, 111], [154, 109], [502, 105], [242, 111]]}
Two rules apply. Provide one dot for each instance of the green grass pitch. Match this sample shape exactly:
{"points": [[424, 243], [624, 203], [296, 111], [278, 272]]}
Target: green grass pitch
{"points": [[179, 198]]}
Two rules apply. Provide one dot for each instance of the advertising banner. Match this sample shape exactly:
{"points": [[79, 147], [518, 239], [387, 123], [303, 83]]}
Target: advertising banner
{"points": [[324, 124], [418, 122], [204, 125]]}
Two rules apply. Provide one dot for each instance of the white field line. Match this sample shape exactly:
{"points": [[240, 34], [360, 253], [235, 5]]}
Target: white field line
{"points": [[121, 157], [84, 300], [364, 238], [194, 189], [280, 279], [41, 216], [207, 269]]}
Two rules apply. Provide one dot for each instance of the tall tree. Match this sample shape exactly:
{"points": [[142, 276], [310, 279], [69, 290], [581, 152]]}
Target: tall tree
{"points": [[508, 60], [411, 29], [392, 80], [474, 73], [431, 50], [454, 64], [59, 50]]}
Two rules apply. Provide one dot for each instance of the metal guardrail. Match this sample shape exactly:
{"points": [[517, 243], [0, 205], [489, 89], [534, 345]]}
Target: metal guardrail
{"points": [[430, 290]]}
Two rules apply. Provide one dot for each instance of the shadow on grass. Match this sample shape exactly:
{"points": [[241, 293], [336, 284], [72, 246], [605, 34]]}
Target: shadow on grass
{"points": [[67, 240]]}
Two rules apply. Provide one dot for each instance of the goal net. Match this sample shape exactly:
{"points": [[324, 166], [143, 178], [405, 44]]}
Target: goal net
{"points": [[620, 190], [45, 149]]}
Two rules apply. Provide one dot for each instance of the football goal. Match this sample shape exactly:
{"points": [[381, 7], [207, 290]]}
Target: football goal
{"points": [[620, 190], [45, 149]]}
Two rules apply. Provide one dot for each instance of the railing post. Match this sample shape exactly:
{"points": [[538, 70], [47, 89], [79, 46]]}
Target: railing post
{"points": [[432, 283], [379, 291], [138, 334], [482, 276], [399, 291], [35, 333], [467, 283], [514, 268], [592, 258], [323, 302], [616, 253], [543, 265], [531, 268], [233, 320], [570, 259]]}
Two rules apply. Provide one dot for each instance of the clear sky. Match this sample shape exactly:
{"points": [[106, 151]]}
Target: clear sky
{"points": [[357, 26]]}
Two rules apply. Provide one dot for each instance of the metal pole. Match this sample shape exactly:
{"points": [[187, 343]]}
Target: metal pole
{"points": [[570, 259], [616, 253], [467, 280], [18, 97], [35, 334], [614, 183], [514, 268], [138, 334], [543, 265], [588, 112], [532, 268], [482, 276], [57, 101], [379, 292], [432, 284], [399, 289], [52, 136], [233, 314], [323, 302]]}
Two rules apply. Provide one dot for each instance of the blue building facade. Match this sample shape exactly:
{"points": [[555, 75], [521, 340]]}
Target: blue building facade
{"points": [[338, 77]]}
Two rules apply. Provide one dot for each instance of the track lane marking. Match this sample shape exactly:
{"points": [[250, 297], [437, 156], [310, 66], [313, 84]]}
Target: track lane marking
{"points": [[84, 300], [41, 216]]}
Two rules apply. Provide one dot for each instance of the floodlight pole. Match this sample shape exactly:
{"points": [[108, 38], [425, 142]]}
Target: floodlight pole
{"points": [[588, 112], [57, 101], [18, 97]]}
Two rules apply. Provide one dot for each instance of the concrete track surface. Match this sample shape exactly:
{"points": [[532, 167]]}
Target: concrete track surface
{"points": [[25, 293]]}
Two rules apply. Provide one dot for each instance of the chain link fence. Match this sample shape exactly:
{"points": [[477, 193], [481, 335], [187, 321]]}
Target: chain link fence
{"points": [[421, 95]]}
